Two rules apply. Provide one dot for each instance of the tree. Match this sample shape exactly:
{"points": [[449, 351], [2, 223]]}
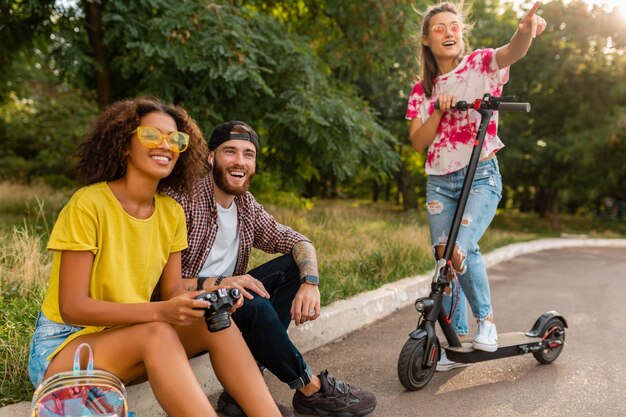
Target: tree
{"points": [[19, 22], [224, 62], [571, 122], [41, 121], [367, 44]]}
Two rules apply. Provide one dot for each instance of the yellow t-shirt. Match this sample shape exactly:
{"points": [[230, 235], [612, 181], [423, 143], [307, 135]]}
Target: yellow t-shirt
{"points": [[129, 253]]}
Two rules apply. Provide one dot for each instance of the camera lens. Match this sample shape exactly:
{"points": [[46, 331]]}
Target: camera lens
{"points": [[218, 321]]}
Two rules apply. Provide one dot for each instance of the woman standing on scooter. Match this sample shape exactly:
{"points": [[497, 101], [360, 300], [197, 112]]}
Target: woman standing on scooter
{"points": [[448, 76]]}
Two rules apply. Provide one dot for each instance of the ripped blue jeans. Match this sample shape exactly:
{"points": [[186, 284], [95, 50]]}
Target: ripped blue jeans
{"points": [[442, 194]]}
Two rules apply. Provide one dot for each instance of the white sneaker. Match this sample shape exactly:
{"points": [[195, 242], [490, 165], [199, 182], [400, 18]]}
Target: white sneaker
{"points": [[486, 337], [446, 364]]}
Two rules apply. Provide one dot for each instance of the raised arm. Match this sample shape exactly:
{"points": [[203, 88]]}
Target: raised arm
{"points": [[531, 26]]}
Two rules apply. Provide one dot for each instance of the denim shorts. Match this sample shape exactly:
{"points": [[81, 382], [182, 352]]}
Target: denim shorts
{"points": [[47, 337]]}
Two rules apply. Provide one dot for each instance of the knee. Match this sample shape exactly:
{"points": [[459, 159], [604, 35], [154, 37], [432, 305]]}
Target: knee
{"points": [[287, 267], [256, 315], [458, 260], [158, 334], [258, 307], [459, 256]]}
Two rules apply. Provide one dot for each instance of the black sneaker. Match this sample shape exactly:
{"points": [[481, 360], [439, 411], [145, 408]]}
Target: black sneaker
{"points": [[335, 398], [229, 407]]}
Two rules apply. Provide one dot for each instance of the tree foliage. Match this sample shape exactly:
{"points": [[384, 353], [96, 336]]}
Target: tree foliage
{"points": [[574, 78], [324, 82], [19, 20], [369, 45], [224, 62]]}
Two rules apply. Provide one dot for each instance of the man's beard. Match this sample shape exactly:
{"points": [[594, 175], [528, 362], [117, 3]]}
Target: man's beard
{"points": [[220, 176]]}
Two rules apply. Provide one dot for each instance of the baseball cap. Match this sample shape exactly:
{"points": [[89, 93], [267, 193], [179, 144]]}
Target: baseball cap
{"points": [[223, 133]]}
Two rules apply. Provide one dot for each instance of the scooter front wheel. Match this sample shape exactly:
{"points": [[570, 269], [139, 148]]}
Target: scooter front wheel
{"points": [[554, 337], [411, 372]]}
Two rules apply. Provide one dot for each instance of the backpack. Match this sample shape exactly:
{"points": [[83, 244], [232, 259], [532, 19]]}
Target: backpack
{"points": [[81, 393]]}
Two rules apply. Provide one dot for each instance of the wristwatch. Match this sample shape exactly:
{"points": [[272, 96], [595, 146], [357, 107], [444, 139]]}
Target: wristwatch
{"points": [[310, 279]]}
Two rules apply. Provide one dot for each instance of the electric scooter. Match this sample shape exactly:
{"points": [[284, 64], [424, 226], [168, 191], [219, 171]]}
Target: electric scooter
{"points": [[421, 352]]}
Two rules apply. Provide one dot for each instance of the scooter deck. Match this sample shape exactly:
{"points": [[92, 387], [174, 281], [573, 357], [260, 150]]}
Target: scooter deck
{"points": [[509, 344]]}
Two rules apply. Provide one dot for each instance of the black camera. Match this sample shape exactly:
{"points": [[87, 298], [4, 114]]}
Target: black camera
{"points": [[216, 316]]}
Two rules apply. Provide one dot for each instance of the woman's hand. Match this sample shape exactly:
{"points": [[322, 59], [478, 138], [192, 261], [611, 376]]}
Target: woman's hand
{"points": [[533, 23], [531, 26], [235, 306], [446, 102], [183, 309]]}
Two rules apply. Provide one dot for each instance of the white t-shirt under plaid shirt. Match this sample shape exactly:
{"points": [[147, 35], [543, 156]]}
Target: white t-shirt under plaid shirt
{"points": [[476, 75], [257, 228]]}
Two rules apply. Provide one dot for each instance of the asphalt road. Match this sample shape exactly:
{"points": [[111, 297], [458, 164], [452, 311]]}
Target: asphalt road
{"points": [[586, 285]]}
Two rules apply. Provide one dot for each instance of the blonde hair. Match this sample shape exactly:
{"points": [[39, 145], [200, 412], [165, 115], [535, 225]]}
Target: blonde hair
{"points": [[428, 64]]}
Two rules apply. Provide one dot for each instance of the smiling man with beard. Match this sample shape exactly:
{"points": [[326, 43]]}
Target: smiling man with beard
{"points": [[224, 223]]}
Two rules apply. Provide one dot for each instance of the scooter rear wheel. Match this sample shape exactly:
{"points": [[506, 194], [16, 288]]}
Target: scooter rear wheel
{"points": [[554, 334], [411, 373]]}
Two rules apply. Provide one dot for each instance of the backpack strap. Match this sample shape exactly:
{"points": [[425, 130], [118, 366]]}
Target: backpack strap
{"points": [[77, 358]]}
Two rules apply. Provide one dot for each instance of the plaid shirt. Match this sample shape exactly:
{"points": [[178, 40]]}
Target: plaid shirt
{"points": [[257, 228]]}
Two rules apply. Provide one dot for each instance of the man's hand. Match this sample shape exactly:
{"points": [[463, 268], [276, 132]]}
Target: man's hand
{"points": [[244, 283], [306, 304]]}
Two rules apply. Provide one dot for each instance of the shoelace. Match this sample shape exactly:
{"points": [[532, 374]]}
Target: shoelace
{"points": [[339, 386]]}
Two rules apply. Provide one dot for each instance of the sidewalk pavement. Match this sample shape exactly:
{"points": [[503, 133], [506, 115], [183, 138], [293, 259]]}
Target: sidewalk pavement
{"points": [[342, 317]]}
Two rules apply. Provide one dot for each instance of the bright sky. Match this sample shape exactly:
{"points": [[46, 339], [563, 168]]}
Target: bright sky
{"points": [[608, 4]]}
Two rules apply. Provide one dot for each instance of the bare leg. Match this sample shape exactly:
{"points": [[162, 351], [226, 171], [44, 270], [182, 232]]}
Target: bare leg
{"points": [[154, 349], [457, 257], [234, 366], [312, 387], [457, 261]]}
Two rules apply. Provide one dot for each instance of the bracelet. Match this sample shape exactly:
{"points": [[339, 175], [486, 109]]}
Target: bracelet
{"points": [[218, 280], [200, 285]]}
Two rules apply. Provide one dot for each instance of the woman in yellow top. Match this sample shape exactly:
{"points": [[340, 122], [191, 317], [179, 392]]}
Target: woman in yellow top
{"points": [[115, 242]]}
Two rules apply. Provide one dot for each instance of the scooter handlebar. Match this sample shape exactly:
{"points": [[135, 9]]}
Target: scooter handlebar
{"points": [[514, 107], [504, 106]]}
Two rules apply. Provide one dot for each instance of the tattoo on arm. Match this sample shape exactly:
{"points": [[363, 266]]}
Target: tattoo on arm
{"points": [[304, 254], [190, 284]]}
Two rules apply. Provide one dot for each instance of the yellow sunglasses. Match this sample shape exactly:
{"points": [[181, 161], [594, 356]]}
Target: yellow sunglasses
{"points": [[151, 137]]}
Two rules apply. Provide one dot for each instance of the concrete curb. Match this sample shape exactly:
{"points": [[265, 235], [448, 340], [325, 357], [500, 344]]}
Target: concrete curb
{"points": [[343, 317]]}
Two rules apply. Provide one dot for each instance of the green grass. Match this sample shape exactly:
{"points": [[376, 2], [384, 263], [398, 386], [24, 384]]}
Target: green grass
{"points": [[34, 206], [24, 269], [360, 246], [17, 319]]}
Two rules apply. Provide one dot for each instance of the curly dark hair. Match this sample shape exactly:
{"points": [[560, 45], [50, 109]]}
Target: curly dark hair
{"points": [[101, 155]]}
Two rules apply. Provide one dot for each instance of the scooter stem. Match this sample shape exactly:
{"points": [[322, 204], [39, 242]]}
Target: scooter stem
{"points": [[467, 183]]}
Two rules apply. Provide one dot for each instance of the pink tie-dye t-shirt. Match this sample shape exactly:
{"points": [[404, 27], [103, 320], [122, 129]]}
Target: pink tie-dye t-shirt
{"points": [[477, 74]]}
